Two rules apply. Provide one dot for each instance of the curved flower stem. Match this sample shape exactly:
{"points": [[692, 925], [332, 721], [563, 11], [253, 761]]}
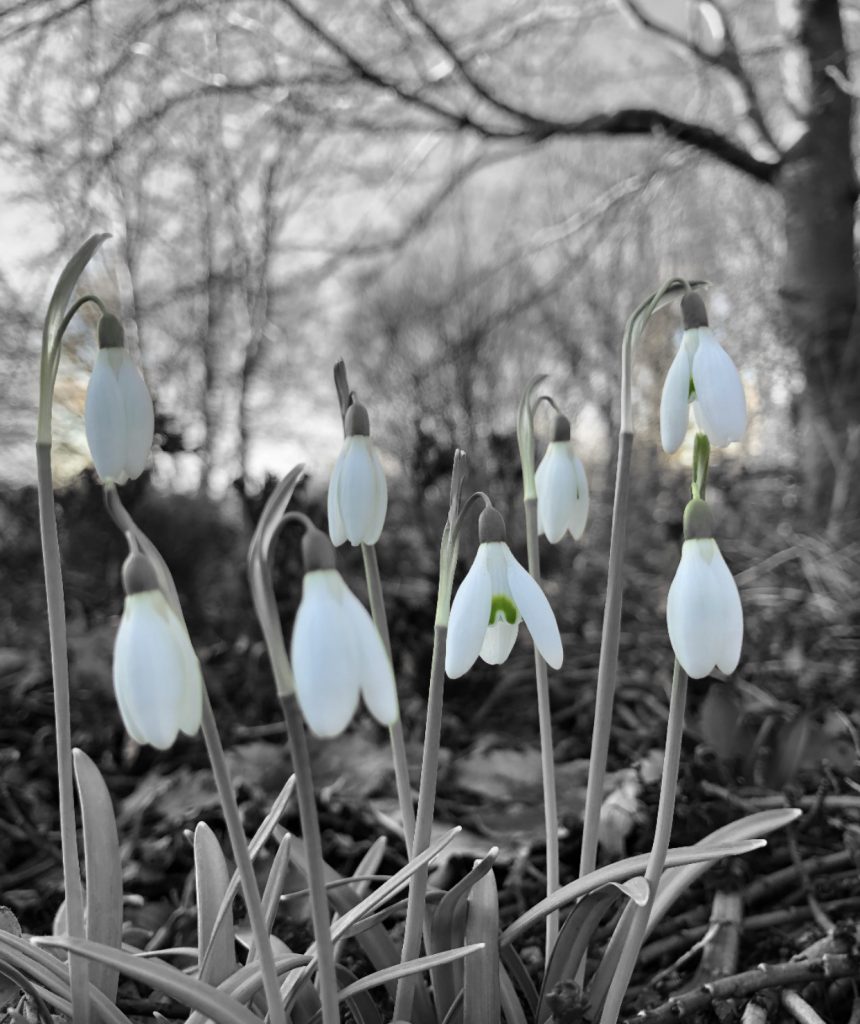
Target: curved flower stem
{"points": [[395, 731], [546, 745], [244, 866], [313, 845], [423, 823], [608, 665], [638, 916], [78, 973]]}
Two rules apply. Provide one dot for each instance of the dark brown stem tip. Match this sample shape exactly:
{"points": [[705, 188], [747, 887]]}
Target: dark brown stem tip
{"points": [[491, 526], [317, 550], [356, 423], [138, 574], [693, 311], [111, 334], [698, 521], [561, 428]]}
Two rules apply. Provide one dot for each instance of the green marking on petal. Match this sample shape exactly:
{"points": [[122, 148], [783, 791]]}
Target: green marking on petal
{"points": [[691, 391], [501, 603]]}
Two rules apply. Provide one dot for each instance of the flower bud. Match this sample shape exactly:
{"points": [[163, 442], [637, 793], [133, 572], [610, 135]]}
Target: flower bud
{"points": [[357, 493], [118, 416]]}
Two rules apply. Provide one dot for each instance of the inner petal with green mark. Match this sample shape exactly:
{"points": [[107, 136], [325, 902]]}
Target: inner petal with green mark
{"points": [[503, 607]]}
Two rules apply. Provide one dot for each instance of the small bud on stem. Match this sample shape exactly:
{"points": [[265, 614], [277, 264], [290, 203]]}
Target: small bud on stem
{"points": [[138, 574], [561, 428], [317, 550], [491, 526], [698, 521], [111, 334], [356, 423], [693, 311]]}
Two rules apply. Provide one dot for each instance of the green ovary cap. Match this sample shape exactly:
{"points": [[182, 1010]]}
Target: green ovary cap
{"points": [[502, 603], [698, 521], [111, 334]]}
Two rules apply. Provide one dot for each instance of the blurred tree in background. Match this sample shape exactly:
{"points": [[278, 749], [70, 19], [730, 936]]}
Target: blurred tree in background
{"points": [[451, 195]]}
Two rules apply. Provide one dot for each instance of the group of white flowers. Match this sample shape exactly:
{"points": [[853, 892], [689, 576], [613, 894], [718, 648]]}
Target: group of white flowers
{"points": [[337, 653]]}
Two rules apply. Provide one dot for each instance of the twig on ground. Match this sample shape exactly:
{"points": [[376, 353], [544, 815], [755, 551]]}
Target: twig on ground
{"points": [[722, 940], [818, 915], [798, 1007], [740, 986]]}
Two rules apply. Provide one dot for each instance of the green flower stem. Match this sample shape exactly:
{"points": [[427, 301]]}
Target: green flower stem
{"points": [[608, 666], [395, 731], [313, 845], [546, 745], [78, 972], [638, 916], [244, 866], [424, 821]]}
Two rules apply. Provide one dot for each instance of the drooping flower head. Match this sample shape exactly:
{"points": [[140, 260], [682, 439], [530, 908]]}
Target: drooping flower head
{"points": [[702, 373], [703, 611], [337, 653], [495, 596], [562, 487], [357, 492], [118, 415], [156, 674]]}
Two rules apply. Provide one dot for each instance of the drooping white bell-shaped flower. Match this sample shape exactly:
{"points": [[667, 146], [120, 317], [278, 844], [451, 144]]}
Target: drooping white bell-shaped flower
{"points": [[703, 611], [495, 596], [118, 415], [357, 492], [156, 674], [703, 373], [562, 487], [336, 651]]}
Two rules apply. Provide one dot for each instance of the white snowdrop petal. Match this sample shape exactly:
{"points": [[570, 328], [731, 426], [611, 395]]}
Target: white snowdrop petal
{"points": [[323, 655], [356, 489], [379, 506], [559, 491], [469, 618], [674, 402], [540, 473], [535, 610], [336, 529], [688, 612], [732, 634], [122, 679], [139, 417], [719, 391], [154, 667], [579, 513], [104, 420], [499, 641], [375, 675], [190, 711]]}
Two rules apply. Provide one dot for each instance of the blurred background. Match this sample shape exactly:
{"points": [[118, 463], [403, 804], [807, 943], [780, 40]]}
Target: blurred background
{"points": [[450, 197]]}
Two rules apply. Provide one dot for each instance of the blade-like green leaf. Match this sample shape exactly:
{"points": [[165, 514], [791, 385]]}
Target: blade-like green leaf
{"points": [[211, 878], [421, 963], [161, 977], [620, 872], [481, 1001], [259, 840], [511, 1007], [576, 934], [103, 869], [361, 1004], [677, 880], [447, 929], [274, 887], [518, 974]]}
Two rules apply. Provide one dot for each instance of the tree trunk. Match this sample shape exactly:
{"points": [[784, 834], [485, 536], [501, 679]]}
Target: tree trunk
{"points": [[818, 186]]}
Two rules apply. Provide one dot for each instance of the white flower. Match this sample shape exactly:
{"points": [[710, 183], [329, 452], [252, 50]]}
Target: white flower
{"points": [[118, 417], [357, 492], [156, 674], [496, 595], [337, 655], [702, 371], [562, 493], [703, 612]]}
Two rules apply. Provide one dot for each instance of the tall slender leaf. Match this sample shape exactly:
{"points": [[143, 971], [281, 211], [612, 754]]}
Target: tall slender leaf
{"points": [[481, 999], [102, 868], [212, 879]]}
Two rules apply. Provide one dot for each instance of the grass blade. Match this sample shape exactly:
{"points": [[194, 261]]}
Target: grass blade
{"points": [[212, 878], [481, 999], [102, 867]]}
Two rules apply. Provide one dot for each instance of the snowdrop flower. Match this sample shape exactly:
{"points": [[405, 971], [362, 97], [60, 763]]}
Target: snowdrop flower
{"points": [[702, 372], [357, 493], [336, 650], [703, 612], [118, 415], [562, 488], [156, 674], [496, 595]]}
